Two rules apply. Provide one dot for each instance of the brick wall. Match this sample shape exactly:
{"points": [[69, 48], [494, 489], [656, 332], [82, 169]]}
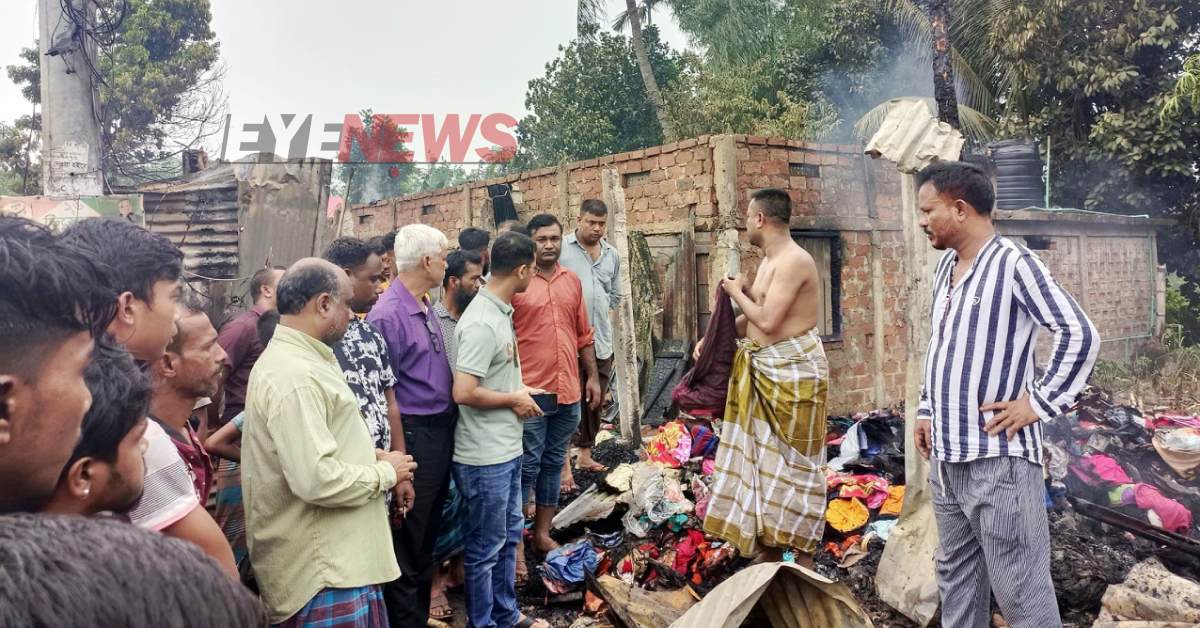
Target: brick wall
{"points": [[834, 189]]}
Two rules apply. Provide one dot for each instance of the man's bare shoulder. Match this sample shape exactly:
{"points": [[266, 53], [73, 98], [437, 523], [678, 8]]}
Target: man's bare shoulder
{"points": [[794, 259]]}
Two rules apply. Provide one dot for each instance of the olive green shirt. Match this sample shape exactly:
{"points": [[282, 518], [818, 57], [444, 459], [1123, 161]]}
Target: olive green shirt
{"points": [[313, 491], [487, 349]]}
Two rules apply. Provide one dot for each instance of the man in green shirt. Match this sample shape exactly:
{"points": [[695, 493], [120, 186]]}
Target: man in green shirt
{"points": [[313, 482], [487, 446]]}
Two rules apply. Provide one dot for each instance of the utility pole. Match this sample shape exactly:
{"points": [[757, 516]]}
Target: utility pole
{"points": [[70, 130]]}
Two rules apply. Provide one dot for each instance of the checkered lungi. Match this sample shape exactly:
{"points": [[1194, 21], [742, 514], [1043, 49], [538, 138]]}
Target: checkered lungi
{"points": [[768, 487], [360, 607]]}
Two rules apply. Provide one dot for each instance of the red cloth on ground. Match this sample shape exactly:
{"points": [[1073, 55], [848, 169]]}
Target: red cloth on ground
{"points": [[1174, 516], [1100, 470], [703, 388]]}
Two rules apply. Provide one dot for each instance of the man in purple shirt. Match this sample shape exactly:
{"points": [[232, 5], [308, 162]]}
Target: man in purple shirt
{"points": [[417, 352]]}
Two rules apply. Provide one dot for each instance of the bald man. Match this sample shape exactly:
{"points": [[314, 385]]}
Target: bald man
{"points": [[313, 483]]}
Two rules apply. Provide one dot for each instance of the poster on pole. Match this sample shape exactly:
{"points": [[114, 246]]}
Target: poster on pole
{"points": [[59, 213]]}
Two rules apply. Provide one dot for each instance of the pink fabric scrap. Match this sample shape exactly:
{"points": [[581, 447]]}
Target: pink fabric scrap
{"points": [[1100, 470], [1174, 515]]}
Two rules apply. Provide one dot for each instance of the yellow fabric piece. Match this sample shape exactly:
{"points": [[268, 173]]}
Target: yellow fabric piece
{"points": [[846, 515], [313, 491], [894, 501], [768, 486]]}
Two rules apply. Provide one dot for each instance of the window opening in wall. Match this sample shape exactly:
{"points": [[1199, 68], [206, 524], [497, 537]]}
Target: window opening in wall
{"points": [[804, 170], [826, 249], [637, 178], [1037, 243], [428, 209], [364, 219]]}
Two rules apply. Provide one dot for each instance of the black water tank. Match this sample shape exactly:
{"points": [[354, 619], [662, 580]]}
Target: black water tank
{"points": [[1018, 174]]}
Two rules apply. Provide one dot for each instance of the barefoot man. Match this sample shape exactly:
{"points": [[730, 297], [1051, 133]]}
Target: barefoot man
{"points": [[768, 489]]}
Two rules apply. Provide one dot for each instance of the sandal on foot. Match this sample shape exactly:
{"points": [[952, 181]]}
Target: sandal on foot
{"points": [[529, 622], [594, 467], [440, 609]]}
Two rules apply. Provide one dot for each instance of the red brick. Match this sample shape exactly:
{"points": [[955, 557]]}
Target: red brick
{"points": [[775, 167]]}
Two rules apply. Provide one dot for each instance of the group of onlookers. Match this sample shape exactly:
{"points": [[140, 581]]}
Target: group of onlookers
{"points": [[379, 414]]}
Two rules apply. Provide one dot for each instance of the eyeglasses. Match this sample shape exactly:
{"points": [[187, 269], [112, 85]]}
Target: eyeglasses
{"points": [[434, 339]]}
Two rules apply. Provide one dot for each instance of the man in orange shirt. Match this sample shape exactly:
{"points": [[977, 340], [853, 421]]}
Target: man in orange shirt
{"points": [[552, 335]]}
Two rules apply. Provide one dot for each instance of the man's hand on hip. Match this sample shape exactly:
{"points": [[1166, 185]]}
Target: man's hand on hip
{"points": [[1011, 416], [924, 437], [402, 463]]}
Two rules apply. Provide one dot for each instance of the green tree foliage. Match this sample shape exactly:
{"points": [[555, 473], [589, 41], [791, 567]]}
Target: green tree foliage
{"points": [[20, 169], [1187, 90], [158, 81], [721, 100], [378, 165], [592, 101], [834, 59], [1097, 94]]}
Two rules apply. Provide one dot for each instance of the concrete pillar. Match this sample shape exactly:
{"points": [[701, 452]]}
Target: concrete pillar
{"points": [[70, 129]]}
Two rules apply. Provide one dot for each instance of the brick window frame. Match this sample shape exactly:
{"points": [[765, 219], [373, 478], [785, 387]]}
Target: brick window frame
{"points": [[826, 248]]}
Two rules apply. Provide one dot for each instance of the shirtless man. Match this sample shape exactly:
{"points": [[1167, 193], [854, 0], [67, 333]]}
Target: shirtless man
{"points": [[775, 412]]}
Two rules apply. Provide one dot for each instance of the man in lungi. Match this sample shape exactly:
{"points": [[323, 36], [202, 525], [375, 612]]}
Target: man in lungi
{"points": [[769, 489]]}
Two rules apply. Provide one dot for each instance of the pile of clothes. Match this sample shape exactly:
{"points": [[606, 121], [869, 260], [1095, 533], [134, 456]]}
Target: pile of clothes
{"points": [[644, 520], [1114, 455], [865, 482]]}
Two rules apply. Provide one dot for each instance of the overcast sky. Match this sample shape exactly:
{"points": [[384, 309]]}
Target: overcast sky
{"points": [[331, 57]]}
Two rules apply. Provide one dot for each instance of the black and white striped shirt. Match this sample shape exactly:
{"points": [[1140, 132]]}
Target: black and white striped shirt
{"points": [[981, 351]]}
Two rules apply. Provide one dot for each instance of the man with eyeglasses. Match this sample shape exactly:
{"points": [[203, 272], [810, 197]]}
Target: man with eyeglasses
{"points": [[417, 352]]}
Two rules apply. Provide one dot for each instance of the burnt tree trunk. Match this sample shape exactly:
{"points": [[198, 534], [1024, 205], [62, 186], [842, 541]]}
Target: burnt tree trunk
{"points": [[943, 70]]}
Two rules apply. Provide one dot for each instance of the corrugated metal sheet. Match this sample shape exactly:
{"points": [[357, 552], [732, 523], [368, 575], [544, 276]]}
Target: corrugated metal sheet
{"points": [[912, 137], [200, 215], [283, 212]]}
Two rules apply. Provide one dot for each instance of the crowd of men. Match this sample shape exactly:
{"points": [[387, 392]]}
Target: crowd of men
{"points": [[370, 419], [402, 405]]}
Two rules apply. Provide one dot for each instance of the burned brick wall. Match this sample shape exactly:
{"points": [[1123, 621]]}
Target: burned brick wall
{"points": [[846, 211]]}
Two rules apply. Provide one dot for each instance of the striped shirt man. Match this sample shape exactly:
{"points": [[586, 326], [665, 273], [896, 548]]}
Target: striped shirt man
{"points": [[984, 327]]}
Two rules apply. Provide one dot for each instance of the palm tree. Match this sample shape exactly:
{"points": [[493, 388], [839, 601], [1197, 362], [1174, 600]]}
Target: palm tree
{"points": [[643, 60], [646, 12], [588, 13], [970, 64], [943, 71]]}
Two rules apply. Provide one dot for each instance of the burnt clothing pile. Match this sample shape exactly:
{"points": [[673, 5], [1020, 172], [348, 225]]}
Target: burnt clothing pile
{"points": [[1117, 457], [865, 480], [643, 517]]}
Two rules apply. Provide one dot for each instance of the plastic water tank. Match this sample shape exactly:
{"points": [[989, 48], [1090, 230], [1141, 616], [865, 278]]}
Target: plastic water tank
{"points": [[1018, 174]]}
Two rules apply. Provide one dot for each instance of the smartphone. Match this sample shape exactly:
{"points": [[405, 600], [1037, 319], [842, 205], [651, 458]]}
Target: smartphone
{"points": [[548, 402]]}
